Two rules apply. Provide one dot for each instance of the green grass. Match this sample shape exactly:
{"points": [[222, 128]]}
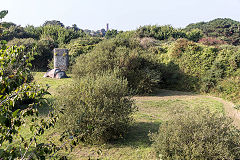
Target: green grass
{"points": [[136, 144], [53, 83]]}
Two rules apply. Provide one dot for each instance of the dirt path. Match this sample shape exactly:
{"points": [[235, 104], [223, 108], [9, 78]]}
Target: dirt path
{"points": [[168, 94]]}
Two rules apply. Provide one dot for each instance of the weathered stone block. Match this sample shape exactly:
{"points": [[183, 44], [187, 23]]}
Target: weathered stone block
{"points": [[61, 59]]}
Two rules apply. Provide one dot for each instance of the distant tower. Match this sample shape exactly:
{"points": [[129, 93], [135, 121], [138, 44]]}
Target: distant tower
{"points": [[107, 27]]}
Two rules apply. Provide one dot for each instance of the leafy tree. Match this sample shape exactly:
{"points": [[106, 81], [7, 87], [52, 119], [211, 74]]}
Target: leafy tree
{"points": [[75, 27], [111, 33], [53, 22], [3, 14], [19, 101]]}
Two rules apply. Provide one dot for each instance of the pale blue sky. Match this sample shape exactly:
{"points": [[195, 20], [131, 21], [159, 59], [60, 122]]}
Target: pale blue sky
{"points": [[120, 14]]}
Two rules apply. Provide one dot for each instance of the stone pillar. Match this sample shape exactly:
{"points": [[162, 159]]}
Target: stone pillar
{"points": [[61, 59]]}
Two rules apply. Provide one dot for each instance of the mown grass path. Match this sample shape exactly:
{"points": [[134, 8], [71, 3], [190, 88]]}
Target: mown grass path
{"points": [[163, 94]]}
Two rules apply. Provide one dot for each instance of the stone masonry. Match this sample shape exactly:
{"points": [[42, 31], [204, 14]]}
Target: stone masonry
{"points": [[61, 59]]}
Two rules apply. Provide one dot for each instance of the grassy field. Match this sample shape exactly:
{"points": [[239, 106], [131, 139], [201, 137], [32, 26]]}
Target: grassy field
{"points": [[152, 111]]}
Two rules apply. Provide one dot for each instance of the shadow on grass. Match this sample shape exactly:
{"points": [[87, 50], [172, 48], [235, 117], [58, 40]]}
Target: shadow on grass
{"points": [[46, 107], [165, 93], [138, 135]]}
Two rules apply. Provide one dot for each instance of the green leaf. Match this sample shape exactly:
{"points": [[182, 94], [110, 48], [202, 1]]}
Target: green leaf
{"points": [[15, 113]]}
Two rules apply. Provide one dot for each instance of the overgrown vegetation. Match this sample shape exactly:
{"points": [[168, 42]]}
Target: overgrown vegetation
{"points": [[126, 55], [97, 108], [199, 134], [19, 100], [224, 29], [108, 68]]}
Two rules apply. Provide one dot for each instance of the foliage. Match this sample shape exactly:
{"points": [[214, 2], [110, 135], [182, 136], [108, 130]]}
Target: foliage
{"points": [[125, 54], [53, 22], [194, 35], [180, 46], [33, 32], [14, 32], [223, 28], [20, 99], [14, 68], [42, 49], [229, 88], [7, 24], [97, 108], [81, 46], [111, 33], [28, 43], [211, 41], [197, 135], [160, 32], [3, 14], [59, 34], [201, 67]]}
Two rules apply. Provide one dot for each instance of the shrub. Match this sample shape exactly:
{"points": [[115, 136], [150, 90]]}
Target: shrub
{"points": [[81, 46], [59, 34], [211, 41], [229, 88], [194, 35], [97, 108], [197, 135], [14, 32], [160, 32], [134, 64], [42, 48], [180, 46]]}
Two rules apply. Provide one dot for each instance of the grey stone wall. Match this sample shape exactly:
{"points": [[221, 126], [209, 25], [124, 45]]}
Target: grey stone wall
{"points": [[61, 58]]}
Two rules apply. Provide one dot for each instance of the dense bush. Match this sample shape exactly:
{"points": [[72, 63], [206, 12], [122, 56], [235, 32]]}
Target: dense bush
{"points": [[81, 46], [206, 64], [14, 32], [197, 135], [210, 41], [111, 33], [59, 34], [33, 32], [194, 35], [28, 43], [125, 54], [222, 28], [229, 88], [97, 108], [42, 48], [160, 32]]}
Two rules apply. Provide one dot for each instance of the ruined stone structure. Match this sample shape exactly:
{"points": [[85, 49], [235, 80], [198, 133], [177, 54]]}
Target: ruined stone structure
{"points": [[61, 59], [60, 64]]}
